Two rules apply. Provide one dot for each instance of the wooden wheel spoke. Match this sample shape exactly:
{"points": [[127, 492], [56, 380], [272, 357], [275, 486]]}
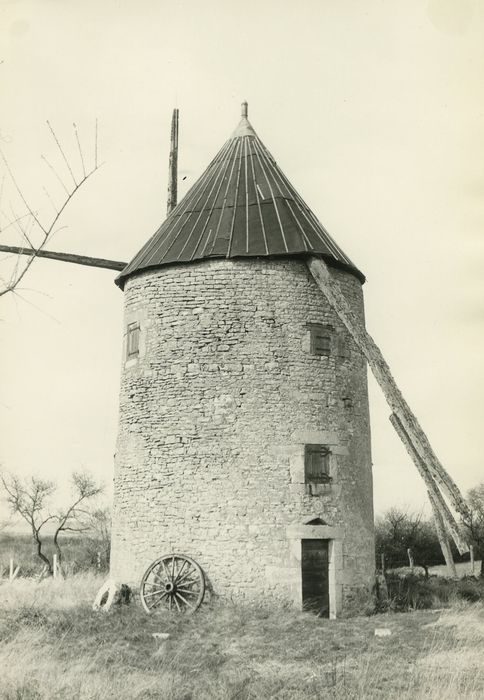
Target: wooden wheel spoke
{"points": [[159, 572], [173, 568], [186, 577], [180, 570], [155, 602], [167, 575], [187, 590], [183, 599], [176, 602], [157, 592]]}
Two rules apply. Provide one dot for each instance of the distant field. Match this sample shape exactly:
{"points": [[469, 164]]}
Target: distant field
{"points": [[54, 647], [79, 553], [463, 569]]}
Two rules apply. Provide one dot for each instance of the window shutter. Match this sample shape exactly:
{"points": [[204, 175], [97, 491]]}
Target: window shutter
{"points": [[316, 464], [321, 339], [132, 340]]}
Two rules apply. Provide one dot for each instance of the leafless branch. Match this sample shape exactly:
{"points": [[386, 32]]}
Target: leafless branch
{"points": [[84, 488], [62, 153], [95, 147], [80, 149], [49, 198], [47, 229], [55, 173]]}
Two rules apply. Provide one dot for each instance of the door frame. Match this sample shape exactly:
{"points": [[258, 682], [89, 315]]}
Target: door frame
{"points": [[334, 535], [322, 548]]}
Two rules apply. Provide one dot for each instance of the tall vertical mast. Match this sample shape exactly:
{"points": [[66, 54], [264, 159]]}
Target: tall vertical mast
{"points": [[173, 166]]}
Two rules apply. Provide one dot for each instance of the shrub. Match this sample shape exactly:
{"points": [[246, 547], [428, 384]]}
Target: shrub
{"points": [[470, 589], [416, 592]]}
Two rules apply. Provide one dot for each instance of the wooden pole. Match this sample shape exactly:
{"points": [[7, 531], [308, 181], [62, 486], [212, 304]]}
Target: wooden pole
{"points": [[442, 536], [471, 549], [10, 572], [173, 165], [54, 566], [330, 288], [65, 257], [439, 502], [410, 558]]}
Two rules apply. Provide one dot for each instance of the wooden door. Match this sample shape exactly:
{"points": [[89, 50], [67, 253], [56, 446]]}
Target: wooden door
{"points": [[315, 579]]}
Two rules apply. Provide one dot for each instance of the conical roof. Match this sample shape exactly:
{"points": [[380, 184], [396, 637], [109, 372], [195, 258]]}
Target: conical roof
{"points": [[242, 206]]}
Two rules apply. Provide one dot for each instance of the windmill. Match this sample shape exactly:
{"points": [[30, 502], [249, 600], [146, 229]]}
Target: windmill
{"points": [[183, 240]]}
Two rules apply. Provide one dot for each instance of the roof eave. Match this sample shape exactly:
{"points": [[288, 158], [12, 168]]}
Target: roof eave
{"points": [[121, 279]]}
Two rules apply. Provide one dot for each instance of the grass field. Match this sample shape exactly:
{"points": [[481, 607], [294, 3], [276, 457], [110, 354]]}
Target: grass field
{"points": [[79, 553], [52, 646]]}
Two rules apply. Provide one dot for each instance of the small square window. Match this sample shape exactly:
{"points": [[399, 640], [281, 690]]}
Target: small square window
{"points": [[316, 464], [320, 339], [132, 340]]}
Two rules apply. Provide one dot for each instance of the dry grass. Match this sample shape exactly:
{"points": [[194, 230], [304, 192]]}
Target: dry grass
{"points": [[52, 646]]}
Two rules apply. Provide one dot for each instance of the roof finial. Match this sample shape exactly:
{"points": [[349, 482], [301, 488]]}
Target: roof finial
{"points": [[245, 109]]}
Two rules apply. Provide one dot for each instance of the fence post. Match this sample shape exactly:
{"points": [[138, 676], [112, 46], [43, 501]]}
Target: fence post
{"points": [[410, 558], [54, 565], [471, 550]]}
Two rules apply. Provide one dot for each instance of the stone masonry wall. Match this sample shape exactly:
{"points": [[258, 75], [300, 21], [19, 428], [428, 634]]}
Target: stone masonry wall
{"points": [[214, 416]]}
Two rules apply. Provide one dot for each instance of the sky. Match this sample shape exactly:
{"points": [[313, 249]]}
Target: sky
{"points": [[375, 112]]}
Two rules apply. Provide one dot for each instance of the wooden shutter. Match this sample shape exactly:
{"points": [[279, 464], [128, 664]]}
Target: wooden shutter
{"points": [[316, 464], [320, 339], [132, 341]]}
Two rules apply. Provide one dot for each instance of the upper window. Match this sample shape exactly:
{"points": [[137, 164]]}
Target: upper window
{"points": [[320, 339], [132, 340], [316, 464]]}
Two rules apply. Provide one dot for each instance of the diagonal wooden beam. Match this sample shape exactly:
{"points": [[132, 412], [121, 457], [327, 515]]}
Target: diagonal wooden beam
{"points": [[435, 496], [442, 536], [330, 288], [65, 257]]}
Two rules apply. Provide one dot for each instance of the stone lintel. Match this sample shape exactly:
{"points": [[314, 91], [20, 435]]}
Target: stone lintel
{"points": [[314, 532]]}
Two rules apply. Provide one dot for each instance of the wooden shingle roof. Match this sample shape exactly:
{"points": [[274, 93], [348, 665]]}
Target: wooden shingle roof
{"points": [[242, 206]]}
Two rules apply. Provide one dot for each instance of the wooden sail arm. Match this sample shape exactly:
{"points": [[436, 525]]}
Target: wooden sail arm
{"points": [[65, 257], [435, 496], [381, 371], [442, 536]]}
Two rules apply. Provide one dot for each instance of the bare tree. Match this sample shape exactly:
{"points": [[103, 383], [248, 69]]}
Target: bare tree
{"points": [[474, 523], [398, 530], [76, 518], [99, 535], [35, 230], [31, 500]]}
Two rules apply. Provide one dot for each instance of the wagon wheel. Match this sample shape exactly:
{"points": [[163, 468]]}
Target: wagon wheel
{"points": [[172, 582]]}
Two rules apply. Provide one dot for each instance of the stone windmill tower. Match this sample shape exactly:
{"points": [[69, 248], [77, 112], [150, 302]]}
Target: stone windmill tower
{"points": [[244, 437], [244, 433]]}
